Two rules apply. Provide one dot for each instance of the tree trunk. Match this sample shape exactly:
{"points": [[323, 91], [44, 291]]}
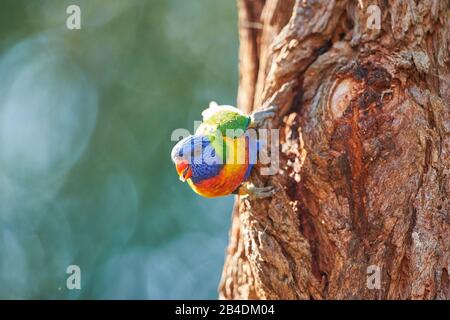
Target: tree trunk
{"points": [[364, 179]]}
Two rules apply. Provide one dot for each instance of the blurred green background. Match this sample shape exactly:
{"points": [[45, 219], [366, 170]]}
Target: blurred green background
{"points": [[85, 123]]}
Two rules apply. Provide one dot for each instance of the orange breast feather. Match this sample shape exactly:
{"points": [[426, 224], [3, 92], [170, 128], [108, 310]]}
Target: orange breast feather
{"points": [[232, 173]]}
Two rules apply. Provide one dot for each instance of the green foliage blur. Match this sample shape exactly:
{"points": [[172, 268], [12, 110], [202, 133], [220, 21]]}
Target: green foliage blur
{"points": [[86, 118]]}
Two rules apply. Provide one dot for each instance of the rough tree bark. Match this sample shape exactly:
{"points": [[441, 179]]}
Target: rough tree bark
{"points": [[364, 177]]}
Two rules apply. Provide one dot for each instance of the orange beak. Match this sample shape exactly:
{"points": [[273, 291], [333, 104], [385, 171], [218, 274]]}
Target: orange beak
{"points": [[183, 169]]}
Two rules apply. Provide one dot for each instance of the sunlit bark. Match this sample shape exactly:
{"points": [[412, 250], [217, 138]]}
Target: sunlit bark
{"points": [[364, 181]]}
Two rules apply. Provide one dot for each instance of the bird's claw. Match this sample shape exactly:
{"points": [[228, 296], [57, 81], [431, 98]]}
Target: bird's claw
{"points": [[260, 192], [260, 116]]}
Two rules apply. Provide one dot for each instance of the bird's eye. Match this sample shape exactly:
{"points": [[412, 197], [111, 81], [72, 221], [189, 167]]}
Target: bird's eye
{"points": [[197, 152]]}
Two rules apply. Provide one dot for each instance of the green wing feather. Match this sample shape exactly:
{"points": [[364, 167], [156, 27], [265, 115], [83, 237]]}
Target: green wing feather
{"points": [[217, 120], [225, 120]]}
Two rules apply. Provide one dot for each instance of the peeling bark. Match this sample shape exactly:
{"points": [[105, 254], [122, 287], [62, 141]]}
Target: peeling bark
{"points": [[364, 177]]}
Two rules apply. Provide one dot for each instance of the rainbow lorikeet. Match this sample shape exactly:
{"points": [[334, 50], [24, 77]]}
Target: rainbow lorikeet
{"points": [[217, 160]]}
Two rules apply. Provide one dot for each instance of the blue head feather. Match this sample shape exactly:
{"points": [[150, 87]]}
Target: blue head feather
{"points": [[201, 156]]}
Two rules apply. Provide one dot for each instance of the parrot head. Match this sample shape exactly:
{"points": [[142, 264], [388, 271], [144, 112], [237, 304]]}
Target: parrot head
{"points": [[194, 158]]}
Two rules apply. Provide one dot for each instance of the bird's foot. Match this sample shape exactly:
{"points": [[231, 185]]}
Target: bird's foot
{"points": [[260, 116], [259, 192]]}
